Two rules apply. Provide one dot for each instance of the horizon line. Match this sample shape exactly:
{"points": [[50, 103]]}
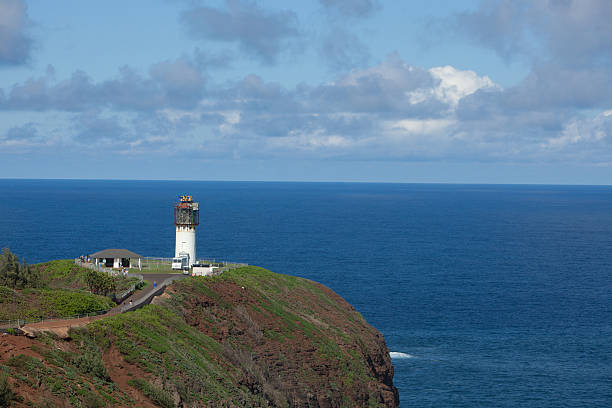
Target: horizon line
{"points": [[312, 181]]}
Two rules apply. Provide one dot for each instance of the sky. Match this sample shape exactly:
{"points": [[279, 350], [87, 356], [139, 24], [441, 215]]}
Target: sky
{"points": [[444, 91]]}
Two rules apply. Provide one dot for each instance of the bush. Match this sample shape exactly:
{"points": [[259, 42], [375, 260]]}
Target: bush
{"points": [[65, 303], [90, 363], [100, 283], [93, 400], [6, 393], [16, 275], [62, 273], [23, 361], [157, 395]]}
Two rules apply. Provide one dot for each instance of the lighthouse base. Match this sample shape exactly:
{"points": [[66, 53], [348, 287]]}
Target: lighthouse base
{"points": [[185, 243]]}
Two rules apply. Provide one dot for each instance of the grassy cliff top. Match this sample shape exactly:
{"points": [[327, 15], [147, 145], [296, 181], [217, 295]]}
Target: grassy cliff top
{"points": [[65, 274], [61, 291], [248, 337], [34, 303]]}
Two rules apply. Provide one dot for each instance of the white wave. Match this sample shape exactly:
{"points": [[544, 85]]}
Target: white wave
{"points": [[397, 354]]}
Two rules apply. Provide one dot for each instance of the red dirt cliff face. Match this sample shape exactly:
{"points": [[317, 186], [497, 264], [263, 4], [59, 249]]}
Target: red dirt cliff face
{"points": [[306, 344], [247, 338]]}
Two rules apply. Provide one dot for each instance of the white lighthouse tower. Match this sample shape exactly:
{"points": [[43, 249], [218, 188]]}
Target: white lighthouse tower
{"points": [[186, 219]]}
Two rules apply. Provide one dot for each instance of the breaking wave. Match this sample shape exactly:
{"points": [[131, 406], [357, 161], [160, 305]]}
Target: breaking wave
{"points": [[397, 354]]}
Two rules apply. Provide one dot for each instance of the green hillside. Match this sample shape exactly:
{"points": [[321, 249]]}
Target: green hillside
{"points": [[248, 338]]}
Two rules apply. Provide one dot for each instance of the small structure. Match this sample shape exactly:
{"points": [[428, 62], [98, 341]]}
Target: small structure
{"points": [[203, 269], [117, 258]]}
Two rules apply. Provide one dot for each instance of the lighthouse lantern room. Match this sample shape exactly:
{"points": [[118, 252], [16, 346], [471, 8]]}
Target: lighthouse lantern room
{"points": [[186, 219]]}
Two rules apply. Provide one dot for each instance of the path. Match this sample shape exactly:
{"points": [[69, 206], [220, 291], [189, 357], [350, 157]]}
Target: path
{"points": [[60, 327], [151, 277]]}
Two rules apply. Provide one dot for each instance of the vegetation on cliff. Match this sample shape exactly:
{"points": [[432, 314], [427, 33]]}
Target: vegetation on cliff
{"points": [[48, 303], [247, 338], [56, 288], [17, 275], [65, 274]]}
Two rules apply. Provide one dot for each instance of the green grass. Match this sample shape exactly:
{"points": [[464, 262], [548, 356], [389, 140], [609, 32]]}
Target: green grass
{"points": [[69, 303], [124, 283], [159, 396], [47, 303], [64, 294], [68, 375], [157, 267], [207, 342], [296, 304], [142, 337], [63, 273], [168, 270]]}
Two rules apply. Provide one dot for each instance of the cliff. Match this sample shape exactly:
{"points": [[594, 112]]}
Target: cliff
{"points": [[246, 338]]}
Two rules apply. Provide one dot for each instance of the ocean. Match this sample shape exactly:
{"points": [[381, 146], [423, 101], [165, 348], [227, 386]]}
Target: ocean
{"points": [[487, 295]]}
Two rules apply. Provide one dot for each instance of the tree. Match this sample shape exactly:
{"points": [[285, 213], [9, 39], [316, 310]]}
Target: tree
{"points": [[100, 283], [16, 275]]}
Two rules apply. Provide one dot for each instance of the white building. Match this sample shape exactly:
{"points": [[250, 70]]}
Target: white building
{"points": [[203, 269], [117, 258]]}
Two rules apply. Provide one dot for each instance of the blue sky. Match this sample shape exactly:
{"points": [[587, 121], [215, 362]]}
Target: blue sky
{"points": [[491, 91]]}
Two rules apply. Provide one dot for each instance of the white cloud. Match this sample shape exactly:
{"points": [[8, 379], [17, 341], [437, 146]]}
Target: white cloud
{"points": [[421, 126], [595, 130], [452, 85], [455, 83]]}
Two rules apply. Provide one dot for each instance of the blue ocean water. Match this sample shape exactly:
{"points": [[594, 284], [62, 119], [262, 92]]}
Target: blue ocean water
{"points": [[497, 296]]}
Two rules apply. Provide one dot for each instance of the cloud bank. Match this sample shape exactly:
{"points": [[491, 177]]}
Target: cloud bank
{"points": [[391, 110], [15, 43], [352, 8], [259, 33]]}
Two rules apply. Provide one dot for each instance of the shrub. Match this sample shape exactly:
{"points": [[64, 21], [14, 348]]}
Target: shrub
{"points": [[157, 395], [16, 275], [100, 283], [93, 400], [65, 303], [90, 363], [6, 393], [62, 273]]}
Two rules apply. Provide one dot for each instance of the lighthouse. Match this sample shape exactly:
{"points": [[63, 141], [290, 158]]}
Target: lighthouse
{"points": [[186, 219]]}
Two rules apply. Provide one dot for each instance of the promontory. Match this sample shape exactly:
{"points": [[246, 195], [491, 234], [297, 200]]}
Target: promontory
{"points": [[245, 338]]}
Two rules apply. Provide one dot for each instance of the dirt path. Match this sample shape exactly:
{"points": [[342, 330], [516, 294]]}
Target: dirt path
{"points": [[60, 327]]}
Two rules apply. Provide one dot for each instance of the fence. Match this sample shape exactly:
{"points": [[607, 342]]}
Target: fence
{"points": [[155, 291], [164, 265], [123, 295], [95, 267], [15, 323], [161, 265]]}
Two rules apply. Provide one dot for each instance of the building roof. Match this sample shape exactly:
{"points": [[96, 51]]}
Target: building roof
{"points": [[115, 253]]}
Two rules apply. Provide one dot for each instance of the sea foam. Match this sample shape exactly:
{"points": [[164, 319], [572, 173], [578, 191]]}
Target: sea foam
{"points": [[397, 354]]}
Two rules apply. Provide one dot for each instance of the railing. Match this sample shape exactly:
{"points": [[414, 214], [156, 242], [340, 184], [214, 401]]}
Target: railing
{"points": [[95, 267], [123, 295], [120, 297], [13, 323], [154, 291], [157, 263]]}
